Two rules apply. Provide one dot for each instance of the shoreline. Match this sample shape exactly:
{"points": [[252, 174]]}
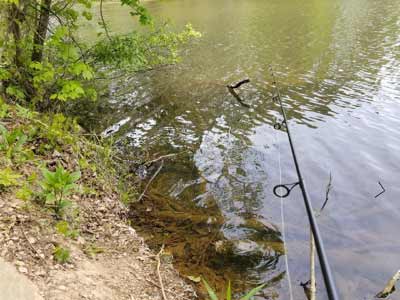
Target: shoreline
{"points": [[107, 259]]}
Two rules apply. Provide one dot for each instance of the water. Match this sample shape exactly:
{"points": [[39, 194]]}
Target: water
{"points": [[338, 66]]}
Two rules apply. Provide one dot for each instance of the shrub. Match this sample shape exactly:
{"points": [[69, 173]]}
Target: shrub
{"points": [[56, 186]]}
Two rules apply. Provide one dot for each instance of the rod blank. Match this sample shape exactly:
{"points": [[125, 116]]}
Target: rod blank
{"points": [[325, 268]]}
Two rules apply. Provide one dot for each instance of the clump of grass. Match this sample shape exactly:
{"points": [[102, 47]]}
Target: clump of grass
{"points": [[61, 255], [8, 178], [66, 230], [228, 295]]}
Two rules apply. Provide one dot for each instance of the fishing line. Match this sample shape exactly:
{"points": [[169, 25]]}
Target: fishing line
{"points": [[325, 268], [281, 196], [283, 229]]}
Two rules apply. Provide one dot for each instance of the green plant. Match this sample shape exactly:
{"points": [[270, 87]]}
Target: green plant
{"points": [[59, 132], [25, 113], [8, 178], [24, 193], [61, 255], [46, 64], [3, 109], [12, 142], [56, 186], [248, 296], [65, 229]]}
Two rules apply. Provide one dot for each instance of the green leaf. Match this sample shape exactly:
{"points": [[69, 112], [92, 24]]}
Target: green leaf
{"points": [[62, 227], [87, 15], [194, 279], [229, 291], [75, 176], [61, 255], [15, 91], [9, 178], [82, 69], [210, 291], [253, 292], [24, 193], [70, 90], [86, 3], [4, 74]]}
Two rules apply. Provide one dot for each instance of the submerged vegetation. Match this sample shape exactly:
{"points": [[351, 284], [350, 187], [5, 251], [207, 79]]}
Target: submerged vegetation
{"points": [[50, 163], [47, 160]]}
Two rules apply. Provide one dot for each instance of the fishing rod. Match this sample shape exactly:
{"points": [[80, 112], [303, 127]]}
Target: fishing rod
{"points": [[325, 268]]}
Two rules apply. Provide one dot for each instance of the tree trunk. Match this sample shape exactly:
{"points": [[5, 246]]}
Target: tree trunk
{"points": [[41, 31], [14, 20]]}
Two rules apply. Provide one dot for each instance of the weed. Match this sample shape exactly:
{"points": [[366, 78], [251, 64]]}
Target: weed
{"points": [[58, 132], [24, 193], [25, 113], [64, 228], [56, 186], [12, 142], [8, 178], [248, 296], [61, 255], [3, 109]]}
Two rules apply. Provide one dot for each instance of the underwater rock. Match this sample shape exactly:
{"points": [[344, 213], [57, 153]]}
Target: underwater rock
{"points": [[239, 253]]}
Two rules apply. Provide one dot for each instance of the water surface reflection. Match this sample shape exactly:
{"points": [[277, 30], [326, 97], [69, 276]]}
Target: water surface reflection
{"points": [[338, 68]]}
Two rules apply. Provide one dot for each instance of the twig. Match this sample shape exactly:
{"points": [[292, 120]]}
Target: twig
{"points": [[157, 285], [103, 21], [158, 257], [383, 190], [237, 97], [32, 247], [328, 189], [237, 85], [151, 179], [162, 157], [390, 286], [313, 288]]}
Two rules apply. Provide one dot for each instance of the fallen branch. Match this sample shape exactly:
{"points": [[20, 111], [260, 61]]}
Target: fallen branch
{"points": [[32, 247], [234, 94], [235, 86], [158, 257], [390, 286], [151, 179], [309, 286], [162, 157]]}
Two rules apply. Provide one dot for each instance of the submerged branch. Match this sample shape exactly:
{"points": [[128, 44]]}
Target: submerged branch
{"points": [[150, 181], [158, 257], [328, 189], [390, 286]]}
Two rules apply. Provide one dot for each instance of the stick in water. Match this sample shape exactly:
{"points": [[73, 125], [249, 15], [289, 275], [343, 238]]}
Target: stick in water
{"points": [[390, 286], [152, 178]]}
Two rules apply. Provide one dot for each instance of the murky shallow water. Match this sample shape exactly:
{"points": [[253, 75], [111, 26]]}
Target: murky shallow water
{"points": [[338, 65]]}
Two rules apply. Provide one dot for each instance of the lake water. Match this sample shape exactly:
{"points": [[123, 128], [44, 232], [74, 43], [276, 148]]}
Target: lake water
{"points": [[338, 66]]}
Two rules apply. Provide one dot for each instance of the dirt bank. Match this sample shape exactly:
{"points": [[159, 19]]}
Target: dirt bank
{"points": [[89, 251]]}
